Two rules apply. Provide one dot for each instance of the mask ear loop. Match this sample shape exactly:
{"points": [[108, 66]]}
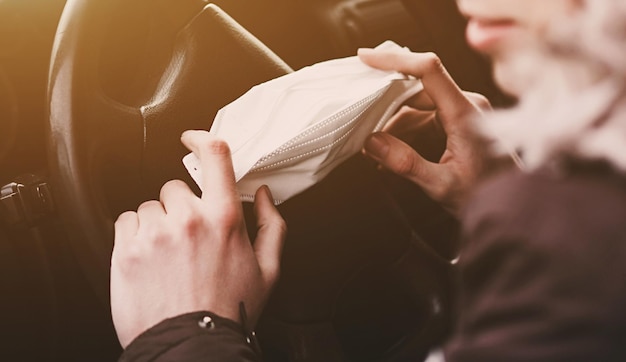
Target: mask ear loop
{"points": [[517, 160]]}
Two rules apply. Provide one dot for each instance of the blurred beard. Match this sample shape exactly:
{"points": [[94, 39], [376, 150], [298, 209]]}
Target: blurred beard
{"points": [[571, 90], [560, 98], [535, 69]]}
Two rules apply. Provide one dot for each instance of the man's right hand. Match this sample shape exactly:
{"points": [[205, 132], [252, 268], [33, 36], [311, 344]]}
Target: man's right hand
{"points": [[442, 101], [184, 254]]}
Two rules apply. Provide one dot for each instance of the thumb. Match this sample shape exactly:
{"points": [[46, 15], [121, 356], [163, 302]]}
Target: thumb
{"points": [[271, 234], [401, 159], [408, 122]]}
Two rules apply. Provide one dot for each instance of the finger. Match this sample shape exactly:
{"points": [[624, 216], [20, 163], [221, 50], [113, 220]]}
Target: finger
{"points": [[479, 100], [438, 84], [126, 226], [150, 212], [218, 177], [176, 196], [271, 234], [407, 122], [421, 101], [400, 158]]}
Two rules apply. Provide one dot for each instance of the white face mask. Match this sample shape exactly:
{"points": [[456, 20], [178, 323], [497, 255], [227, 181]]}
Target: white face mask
{"points": [[292, 131]]}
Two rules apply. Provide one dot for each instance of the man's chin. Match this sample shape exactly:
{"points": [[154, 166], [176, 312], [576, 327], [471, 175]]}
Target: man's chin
{"points": [[511, 77]]}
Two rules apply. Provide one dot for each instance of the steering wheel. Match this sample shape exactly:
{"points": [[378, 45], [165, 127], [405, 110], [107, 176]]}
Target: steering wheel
{"points": [[103, 148], [128, 77]]}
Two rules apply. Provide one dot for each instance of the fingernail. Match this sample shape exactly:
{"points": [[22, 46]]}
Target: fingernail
{"points": [[377, 146], [268, 192], [365, 51]]}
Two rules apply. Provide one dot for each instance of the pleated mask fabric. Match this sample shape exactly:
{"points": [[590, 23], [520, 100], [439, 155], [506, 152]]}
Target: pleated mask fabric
{"points": [[292, 131]]}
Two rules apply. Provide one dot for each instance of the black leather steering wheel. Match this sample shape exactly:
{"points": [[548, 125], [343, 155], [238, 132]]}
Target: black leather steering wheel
{"points": [[107, 155], [357, 281]]}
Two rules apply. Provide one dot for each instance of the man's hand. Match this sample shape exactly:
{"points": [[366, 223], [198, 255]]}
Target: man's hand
{"points": [[442, 101], [184, 254]]}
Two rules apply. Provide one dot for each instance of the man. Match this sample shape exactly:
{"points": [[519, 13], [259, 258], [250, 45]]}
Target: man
{"points": [[542, 271]]}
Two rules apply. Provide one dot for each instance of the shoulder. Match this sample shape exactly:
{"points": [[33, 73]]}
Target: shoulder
{"points": [[577, 220], [542, 271], [561, 208]]}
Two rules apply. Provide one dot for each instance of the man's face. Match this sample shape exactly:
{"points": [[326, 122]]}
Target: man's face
{"points": [[506, 29]]}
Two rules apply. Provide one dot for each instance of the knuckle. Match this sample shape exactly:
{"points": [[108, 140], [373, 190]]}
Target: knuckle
{"points": [[433, 62], [479, 100], [124, 216], [439, 191], [277, 228], [126, 259], [443, 189], [172, 185], [149, 204], [156, 235], [405, 164], [217, 147], [191, 223], [281, 226], [274, 219]]}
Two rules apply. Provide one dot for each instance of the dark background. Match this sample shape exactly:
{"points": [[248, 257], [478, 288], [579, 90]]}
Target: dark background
{"points": [[47, 309]]}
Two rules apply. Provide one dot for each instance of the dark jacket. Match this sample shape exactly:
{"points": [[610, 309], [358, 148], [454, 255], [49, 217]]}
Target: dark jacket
{"points": [[199, 336], [543, 269], [542, 278]]}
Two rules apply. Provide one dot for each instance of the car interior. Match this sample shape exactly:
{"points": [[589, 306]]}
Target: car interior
{"points": [[93, 98]]}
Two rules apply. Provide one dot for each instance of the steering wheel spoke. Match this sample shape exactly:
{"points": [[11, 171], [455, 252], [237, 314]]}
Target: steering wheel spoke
{"points": [[105, 156], [214, 61]]}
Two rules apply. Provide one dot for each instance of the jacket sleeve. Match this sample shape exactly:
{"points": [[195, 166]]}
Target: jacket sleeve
{"points": [[543, 272], [198, 336]]}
